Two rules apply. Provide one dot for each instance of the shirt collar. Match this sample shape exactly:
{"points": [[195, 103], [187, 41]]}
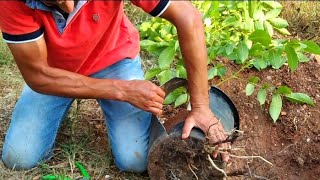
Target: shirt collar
{"points": [[36, 4]]}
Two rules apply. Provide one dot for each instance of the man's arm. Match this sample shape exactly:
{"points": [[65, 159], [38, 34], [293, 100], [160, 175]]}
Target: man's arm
{"points": [[188, 22], [31, 59]]}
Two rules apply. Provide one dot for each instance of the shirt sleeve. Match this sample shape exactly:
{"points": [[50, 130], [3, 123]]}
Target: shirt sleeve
{"points": [[18, 23], [153, 7]]}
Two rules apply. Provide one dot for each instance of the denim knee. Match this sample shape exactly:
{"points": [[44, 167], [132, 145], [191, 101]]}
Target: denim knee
{"points": [[18, 160], [136, 163]]}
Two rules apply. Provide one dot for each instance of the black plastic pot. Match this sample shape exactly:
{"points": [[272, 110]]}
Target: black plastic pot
{"points": [[220, 105]]}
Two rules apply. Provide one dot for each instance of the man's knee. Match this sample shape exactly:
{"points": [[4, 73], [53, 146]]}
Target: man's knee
{"points": [[18, 160], [135, 162]]}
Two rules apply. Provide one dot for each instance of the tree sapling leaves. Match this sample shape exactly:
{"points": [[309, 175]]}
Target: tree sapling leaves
{"points": [[275, 107]]}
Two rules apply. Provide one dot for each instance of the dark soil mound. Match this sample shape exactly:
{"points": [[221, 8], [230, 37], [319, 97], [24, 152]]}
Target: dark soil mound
{"points": [[174, 159]]}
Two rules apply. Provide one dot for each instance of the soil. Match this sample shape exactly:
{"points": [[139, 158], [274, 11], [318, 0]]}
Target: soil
{"points": [[175, 159], [292, 144]]}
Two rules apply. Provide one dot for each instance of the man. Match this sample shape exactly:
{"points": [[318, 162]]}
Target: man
{"points": [[89, 49]]}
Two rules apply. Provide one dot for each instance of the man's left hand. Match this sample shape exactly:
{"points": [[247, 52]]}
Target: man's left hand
{"points": [[203, 118]]}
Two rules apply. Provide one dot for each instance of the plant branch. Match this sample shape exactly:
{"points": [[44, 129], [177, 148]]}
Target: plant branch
{"points": [[234, 75]]}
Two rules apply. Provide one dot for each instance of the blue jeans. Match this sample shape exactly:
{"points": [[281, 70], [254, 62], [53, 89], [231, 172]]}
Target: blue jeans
{"points": [[37, 117]]}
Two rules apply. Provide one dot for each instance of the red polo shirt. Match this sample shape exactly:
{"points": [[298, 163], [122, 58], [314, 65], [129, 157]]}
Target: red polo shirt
{"points": [[98, 34]]}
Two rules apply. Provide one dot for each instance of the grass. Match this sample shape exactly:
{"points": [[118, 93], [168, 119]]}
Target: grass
{"points": [[303, 18], [82, 136]]}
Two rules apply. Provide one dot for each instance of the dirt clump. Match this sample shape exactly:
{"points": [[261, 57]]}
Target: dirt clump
{"points": [[174, 158]]}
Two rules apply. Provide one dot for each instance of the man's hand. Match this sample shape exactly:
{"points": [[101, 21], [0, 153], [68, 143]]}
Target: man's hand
{"points": [[204, 119], [144, 95]]}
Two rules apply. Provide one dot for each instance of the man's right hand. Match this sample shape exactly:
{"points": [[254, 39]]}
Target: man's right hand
{"points": [[144, 95]]}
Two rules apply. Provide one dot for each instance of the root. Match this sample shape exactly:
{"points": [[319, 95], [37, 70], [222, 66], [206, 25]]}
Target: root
{"points": [[249, 157], [195, 175], [216, 167]]}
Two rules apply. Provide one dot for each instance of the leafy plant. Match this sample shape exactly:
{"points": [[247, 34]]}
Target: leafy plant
{"points": [[246, 32], [277, 95]]}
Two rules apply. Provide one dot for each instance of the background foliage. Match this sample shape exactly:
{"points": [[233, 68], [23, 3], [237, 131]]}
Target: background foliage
{"points": [[249, 33]]}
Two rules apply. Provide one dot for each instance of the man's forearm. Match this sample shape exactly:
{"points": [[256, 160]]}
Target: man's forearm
{"points": [[192, 43], [193, 48], [59, 82]]}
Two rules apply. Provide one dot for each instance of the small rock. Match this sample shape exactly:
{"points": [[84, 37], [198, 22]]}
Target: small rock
{"points": [[256, 117], [278, 84], [36, 177], [269, 78], [300, 161], [107, 177], [283, 113], [225, 60], [304, 106], [317, 58], [169, 108], [308, 139], [251, 105]]}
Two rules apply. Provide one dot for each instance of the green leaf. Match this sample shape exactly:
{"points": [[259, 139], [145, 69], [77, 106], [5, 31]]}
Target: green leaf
{"points": [[229, 49], [145, 26], [171, 97], [256, 50], [273, 4], [260, 63], [165, 30], [302, 57], [181, 100], [262, 96], [292, 58], [146, 43], [165, 76], [166, 57], [268, 27], [258, 13], [275, 107], [273, 13], [258, 24], [181, 72], [312, 47], [283, 31], [284, 90], [152, 73], [242, 51], [266, 86], [254, 80], [222, 71], [231, 20], [275, 59], [300, 98], [176, 45], [249, 89], [212, 72], [278, 22], [250, 8], [260, 36]]}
